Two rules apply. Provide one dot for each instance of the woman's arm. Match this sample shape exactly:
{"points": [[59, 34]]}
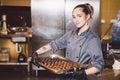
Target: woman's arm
{"points": [[44, 49], [55, 44], [95, 52]]}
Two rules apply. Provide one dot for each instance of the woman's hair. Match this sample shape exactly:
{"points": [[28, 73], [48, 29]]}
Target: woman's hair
{"points": [[87, 8]]}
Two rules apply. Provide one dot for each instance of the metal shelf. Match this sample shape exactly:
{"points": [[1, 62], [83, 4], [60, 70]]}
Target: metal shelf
{"points": [[15, 62], [15, 35]]}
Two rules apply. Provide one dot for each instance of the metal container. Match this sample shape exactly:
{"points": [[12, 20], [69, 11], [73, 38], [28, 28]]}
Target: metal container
{"points": [[4, 54], [57, 64]]}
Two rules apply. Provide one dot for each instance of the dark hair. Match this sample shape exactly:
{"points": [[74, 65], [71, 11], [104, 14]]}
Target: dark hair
{"points": [[87, 8]]}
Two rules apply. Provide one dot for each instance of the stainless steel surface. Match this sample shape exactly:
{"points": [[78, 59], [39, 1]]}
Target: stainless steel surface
{"points": [[47, 21], [47, 18], [58, 64]]}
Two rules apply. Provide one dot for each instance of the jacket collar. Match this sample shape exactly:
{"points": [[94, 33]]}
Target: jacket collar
{"points": [[85, 33]]}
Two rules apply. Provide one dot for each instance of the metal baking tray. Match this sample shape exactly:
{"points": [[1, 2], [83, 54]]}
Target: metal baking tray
{"points": [[57, 64]]}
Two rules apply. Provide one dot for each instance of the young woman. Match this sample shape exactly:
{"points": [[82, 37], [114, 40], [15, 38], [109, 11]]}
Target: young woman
{"points": [[82, 45]]}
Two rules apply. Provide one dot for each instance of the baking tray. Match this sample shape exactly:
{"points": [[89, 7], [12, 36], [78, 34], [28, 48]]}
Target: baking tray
{"points": [[57, 64]]}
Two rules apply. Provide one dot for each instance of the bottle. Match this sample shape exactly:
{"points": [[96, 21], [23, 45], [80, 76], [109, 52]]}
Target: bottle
{"points": [[4, 25], [23, 23]]}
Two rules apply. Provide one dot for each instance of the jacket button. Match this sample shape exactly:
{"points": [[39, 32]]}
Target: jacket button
{"points": [[68, 42]]}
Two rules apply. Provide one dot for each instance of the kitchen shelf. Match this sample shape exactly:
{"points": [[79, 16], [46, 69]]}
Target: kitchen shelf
{"points": [[15, 62], [15, 35]]}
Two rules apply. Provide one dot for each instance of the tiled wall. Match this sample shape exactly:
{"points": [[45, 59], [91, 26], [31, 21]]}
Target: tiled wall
{"points": [[108, 11]]}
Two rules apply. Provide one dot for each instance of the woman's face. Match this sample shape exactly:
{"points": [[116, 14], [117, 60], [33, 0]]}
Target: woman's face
{"points": [[79, 17]]}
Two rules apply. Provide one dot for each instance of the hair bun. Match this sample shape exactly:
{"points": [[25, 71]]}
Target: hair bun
{"points": [[90, 8]]}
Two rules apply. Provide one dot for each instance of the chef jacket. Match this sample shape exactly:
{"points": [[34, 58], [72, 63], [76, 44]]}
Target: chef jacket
{"points": [[82, 48]]}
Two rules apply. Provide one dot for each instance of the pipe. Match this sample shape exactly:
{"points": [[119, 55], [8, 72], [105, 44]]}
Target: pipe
{"points": [[18, 48]]}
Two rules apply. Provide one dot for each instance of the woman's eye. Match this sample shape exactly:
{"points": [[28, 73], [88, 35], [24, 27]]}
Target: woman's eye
{"points": [[73, 17], [79, 16]]}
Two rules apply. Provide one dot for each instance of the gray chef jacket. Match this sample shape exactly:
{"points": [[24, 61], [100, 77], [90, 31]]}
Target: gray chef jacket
{"points": [[81, 48]]}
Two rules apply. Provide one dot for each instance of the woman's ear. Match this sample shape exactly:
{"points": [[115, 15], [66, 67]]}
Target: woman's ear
{"points": [[88, 16]]}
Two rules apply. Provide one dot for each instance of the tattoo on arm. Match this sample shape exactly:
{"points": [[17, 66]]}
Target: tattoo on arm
{"points": [[44, 48]]}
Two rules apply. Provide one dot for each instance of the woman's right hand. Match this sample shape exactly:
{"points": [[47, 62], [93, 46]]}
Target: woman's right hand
{"points": [[35, 59]]}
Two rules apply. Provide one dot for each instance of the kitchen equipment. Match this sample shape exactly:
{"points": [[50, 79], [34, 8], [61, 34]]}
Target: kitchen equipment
{"points": [[116, 65], [57, 64], [4, 25], [17, 30], [4, 54], [21, 56]]}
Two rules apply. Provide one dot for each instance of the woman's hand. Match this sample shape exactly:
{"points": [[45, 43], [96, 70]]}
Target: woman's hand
{"points": [[35, 59], [77, 73]]}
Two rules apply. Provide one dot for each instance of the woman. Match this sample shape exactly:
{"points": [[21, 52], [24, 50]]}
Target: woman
{"points": [[82, 45]]}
